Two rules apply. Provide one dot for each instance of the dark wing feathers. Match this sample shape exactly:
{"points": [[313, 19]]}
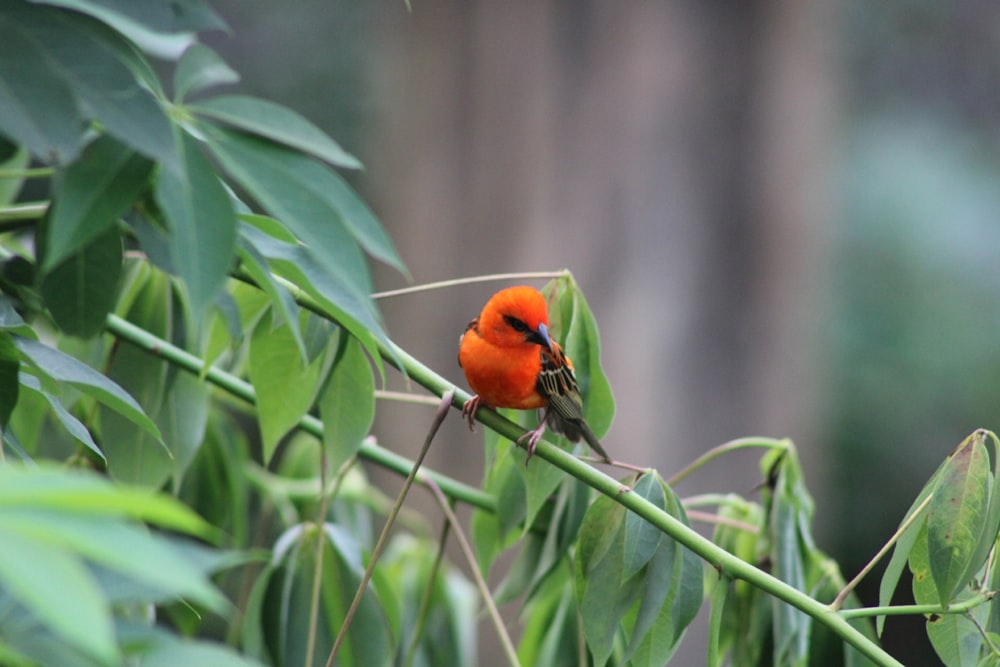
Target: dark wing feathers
{"points": [[557, 384]]}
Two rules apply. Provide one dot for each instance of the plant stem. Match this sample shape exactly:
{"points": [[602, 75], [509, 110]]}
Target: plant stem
{"points": [[731, 446], [919, 609], [383, 537], [484, 589], [838, 602], [425, 600], [426, 287]]}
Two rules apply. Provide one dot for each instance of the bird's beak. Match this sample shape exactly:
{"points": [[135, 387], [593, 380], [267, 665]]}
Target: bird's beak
{"points": [[541, 337]]}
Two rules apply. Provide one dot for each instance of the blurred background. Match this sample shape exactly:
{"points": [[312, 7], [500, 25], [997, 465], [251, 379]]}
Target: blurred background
{"points": [[783, 214]]}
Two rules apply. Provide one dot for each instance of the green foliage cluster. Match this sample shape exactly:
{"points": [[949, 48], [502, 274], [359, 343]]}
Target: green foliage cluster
{"points": [[195, 264]]}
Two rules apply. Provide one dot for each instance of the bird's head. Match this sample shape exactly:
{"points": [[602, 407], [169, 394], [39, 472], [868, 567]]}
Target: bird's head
{"points": [[515, 316]]}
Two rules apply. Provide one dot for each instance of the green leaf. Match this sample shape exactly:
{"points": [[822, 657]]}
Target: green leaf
{"points": [[162, 18], [82, 290], [642, 539], [40, 109], [901, 551], [955, 639], [64, 368], [57, 588], [201, 220], [285, 621], [671, 597], [550, 625], [72, 425], [10, 186], [347, 403], [87, 56], [47, 487], [296, 189], [790, 514], [277, 123], [91, 194], [285, 388], [128, 549], [956, 516], [199, 68], [134, 455], [603, 597], [354, 312], [10, 365], [182, 419], [159, 648], [284, 308], [582, 344], [716, 652]]}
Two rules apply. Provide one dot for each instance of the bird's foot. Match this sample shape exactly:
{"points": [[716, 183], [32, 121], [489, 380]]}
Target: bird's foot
{"points": [[530, 441], [469, 411]]}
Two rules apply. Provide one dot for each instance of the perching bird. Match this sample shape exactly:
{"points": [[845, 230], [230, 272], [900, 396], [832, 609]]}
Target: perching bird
{"points": [[511, 362]]}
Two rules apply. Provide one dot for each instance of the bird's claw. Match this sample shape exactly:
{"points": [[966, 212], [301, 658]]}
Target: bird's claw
{"points": [[530, 441], [469, 411]]}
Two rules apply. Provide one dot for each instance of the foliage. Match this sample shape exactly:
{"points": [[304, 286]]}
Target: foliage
{"points": [[197, 264]]}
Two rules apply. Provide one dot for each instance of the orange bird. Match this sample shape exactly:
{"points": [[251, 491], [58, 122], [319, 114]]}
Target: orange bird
{"points": [[511, 362]]}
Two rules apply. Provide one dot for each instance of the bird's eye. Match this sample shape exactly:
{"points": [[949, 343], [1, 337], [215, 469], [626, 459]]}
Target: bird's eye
{"points": [[516, 324]]}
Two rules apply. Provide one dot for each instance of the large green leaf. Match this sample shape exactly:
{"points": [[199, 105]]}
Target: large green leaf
{"points": [[955, 639], [671, 597], [285, 310], [41, 110], [63, 532], [603, 597], [277, 123], [134, 456], [582, 344], [159, 17], [72, 425], [17, 160], [295, 189], [87, 57], [81, 291], [286, 608], [10, 365], [355, 312], [284, 385], [56, 587], [641, 537], [90, 195], [64, 368], [199, 68], [69, 491], [956, 516], [201, 220], [347, 402]]}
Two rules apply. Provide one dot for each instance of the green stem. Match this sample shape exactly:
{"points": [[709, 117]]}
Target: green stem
{"points": [[731, 446], [838, 602], [484, 589], [27, 211], [919, 609], [383, 537], [234, 386], [426, 287]]}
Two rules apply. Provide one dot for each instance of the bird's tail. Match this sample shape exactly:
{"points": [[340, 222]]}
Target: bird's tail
{"points": [[575, 431]]}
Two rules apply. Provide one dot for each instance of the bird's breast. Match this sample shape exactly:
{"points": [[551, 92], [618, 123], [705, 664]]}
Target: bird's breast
{"points": [[503, 377]]}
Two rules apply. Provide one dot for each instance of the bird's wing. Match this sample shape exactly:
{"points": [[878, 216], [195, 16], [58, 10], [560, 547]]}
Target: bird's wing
{"points": [[557, 384]]}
